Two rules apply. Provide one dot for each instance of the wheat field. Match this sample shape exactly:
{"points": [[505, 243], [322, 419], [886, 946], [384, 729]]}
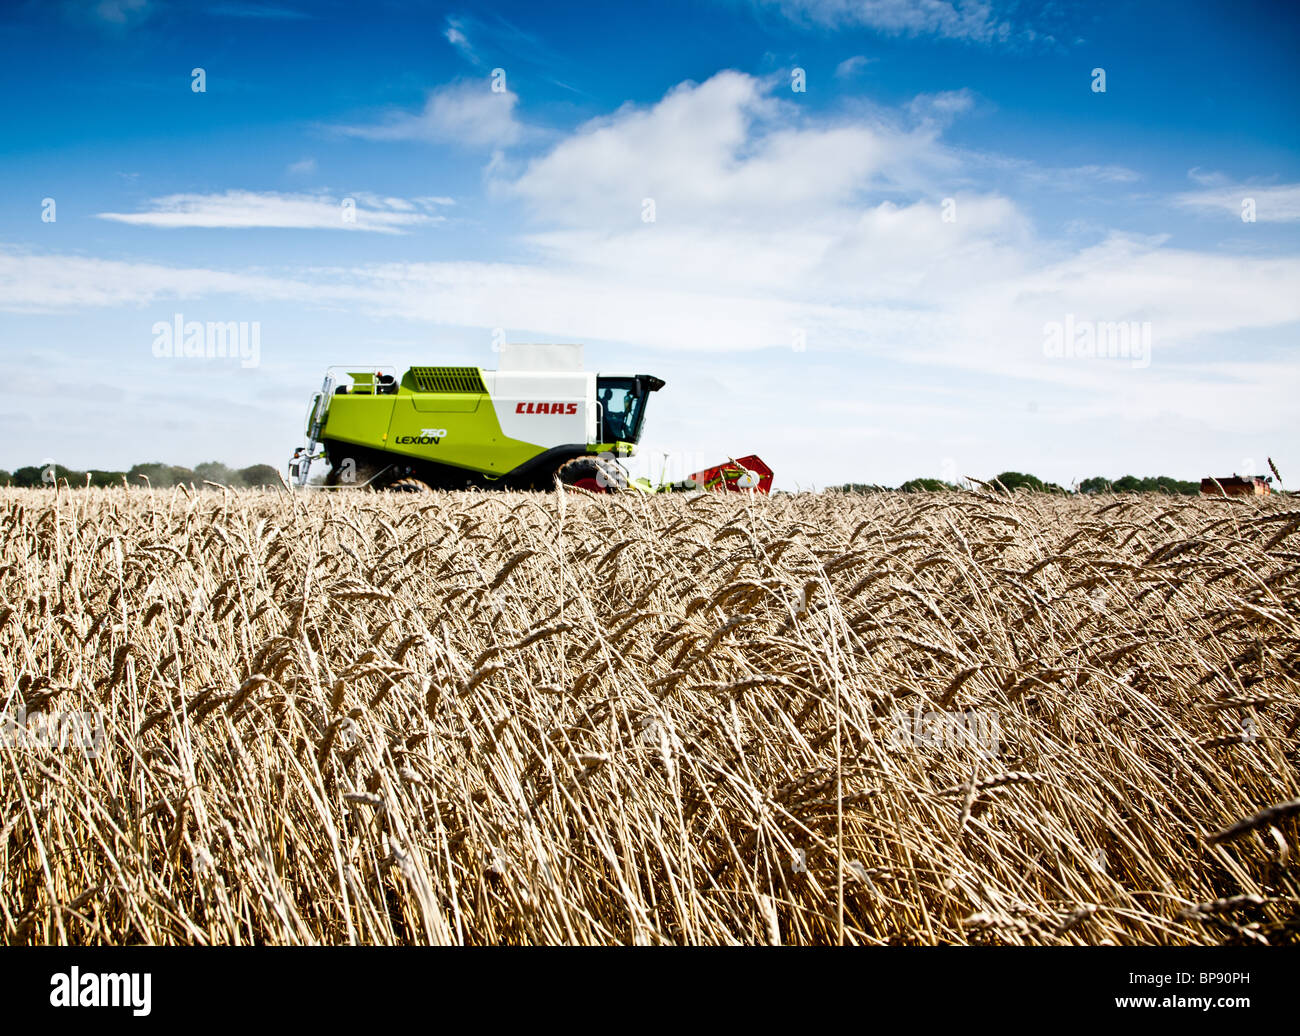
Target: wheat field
{"points": [[562, 718]]}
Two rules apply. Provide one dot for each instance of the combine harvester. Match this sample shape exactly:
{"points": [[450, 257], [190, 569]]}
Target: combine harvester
{"points": [[539, 418]]}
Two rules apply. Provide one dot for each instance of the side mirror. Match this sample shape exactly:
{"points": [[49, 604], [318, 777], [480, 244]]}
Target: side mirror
{"points": [[311, 414]]}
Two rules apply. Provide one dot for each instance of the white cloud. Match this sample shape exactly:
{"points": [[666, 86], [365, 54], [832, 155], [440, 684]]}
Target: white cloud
{"points": [[1207, 178], [303, 167], [850, 67], [466, 113], [722, 151], [1279, 203], [942, 107], [269, 209]]}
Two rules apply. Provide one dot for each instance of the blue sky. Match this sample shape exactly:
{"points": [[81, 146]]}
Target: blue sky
{"points": [[855, 280]]}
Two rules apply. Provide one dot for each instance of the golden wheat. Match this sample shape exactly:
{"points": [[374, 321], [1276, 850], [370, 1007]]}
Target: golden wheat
{"points": [[474, 718]]}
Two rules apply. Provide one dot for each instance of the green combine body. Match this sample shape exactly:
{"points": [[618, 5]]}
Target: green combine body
{"points": [[457, 427], [539, 419]]}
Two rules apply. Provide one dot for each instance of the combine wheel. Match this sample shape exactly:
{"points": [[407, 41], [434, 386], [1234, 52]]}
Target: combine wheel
{"points": [[594, 474], [408, 485]]}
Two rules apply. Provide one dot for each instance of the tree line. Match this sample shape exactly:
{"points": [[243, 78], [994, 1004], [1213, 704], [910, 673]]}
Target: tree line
{"points": [[1019, 480], [154, 473]]}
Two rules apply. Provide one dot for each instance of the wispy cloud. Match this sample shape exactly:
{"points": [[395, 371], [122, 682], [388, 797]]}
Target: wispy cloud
{"points": [[974, 20], [490, 40], [246, 209], [109, 14], [942, 107], [1038, 175], [266, 12], [1270, 203], [850, 67], [457, 36]]}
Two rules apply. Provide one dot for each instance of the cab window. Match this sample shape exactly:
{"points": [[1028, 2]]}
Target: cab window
{"points": [[620, 403]]}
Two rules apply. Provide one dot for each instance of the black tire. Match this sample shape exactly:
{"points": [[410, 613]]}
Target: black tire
{"points": [[594, 474], [408, 485]]}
